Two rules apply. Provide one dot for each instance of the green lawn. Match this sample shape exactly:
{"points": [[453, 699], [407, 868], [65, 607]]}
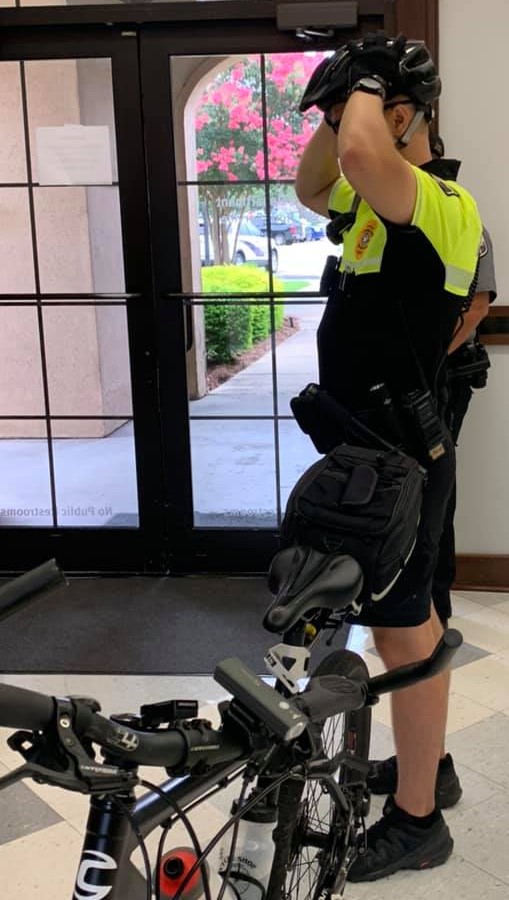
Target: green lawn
{"points": [[294, 284]]}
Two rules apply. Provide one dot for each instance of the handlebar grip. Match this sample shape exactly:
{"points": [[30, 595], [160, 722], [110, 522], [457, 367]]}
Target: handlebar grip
{"points": [[22, 590], [406, 676], [330, 695], [20, 708]]}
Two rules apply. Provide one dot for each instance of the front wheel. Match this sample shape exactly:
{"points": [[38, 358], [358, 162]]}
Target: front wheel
{"points": [[313, 838]]}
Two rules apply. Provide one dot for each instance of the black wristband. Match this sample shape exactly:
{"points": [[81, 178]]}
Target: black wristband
{"points": [[371, 84]]}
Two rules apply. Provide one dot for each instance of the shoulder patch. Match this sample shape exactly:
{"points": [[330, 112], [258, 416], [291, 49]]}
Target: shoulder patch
{"points": [[448, 190]]}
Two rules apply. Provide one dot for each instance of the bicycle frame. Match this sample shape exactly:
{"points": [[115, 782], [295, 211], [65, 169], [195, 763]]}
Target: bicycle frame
{"points": [[105, 869]]}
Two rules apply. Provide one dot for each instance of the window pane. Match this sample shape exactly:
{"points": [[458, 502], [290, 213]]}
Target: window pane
{"points": [[21, 386], [296, 453], [231, 229], [12, 145], [239, 359], [234, 484], [16, 258], [288, 131], [228, 121], [95, 475], [69, 92], [88, 364], [24, 463], [79, 239], [296, 357]]}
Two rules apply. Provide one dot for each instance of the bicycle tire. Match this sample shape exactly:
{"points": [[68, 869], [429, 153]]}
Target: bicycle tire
{"points": [[300, 869]]}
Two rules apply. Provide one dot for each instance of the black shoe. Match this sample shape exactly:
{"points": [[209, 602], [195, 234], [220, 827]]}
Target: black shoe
{"points": [[394, 843], [383, 779]]}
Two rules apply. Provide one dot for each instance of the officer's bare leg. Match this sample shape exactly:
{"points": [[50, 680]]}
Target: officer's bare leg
{"points": [[438, 630], [419, 717]]}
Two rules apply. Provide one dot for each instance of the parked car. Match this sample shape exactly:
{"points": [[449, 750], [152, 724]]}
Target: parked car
{"points": [[284, 229], [252, 246], [315, 231]]}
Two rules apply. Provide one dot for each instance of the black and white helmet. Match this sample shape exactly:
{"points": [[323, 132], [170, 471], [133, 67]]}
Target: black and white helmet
{"points": [[417, 77]]}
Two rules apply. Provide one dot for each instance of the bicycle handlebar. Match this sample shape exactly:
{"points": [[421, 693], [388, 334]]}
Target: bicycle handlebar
{"points": [[181, 745], [20, 708], [21, 591], [406, 676]]}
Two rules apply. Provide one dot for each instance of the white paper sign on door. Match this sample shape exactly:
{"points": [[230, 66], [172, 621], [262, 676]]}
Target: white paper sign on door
{"points": [[74, 154]]}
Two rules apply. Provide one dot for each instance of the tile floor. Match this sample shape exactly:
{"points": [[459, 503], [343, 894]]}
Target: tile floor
{"points": [[41, 828]]}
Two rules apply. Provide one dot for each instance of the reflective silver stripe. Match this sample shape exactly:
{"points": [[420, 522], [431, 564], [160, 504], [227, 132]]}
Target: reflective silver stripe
{"points": [[458, 278], [357, 265]]}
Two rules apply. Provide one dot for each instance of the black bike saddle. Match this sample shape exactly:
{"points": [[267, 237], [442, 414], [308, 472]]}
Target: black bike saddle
{"points": [[303, 579]]}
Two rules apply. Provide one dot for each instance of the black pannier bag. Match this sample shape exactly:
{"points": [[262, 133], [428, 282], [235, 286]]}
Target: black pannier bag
{"points": [[362, 502]]}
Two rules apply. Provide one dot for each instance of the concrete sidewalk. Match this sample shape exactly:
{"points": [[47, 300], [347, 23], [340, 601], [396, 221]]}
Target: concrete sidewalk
{"points": [[234, 462]]}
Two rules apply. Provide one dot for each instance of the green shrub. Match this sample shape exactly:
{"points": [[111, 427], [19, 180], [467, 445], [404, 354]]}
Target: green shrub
{"points": [[260, 322], [227, 330], [262, 318], [236, 324]]}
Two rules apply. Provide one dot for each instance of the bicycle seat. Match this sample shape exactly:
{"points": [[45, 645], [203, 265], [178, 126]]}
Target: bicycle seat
{"points": [[303, 579]]}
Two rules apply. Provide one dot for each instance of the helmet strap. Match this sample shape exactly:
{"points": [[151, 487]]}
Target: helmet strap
{"points": [[405, 138]]}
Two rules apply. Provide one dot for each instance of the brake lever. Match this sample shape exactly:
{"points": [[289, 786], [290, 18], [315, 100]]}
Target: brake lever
{"points": [[109, 782], [58, 757]]}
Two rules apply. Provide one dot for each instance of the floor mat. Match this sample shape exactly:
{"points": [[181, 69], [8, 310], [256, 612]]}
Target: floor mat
{"points": [[143, 626]]}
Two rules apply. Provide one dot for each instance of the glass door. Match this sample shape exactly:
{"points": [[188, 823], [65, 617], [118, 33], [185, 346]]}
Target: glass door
{"points": [[79, 433], [237, 267]]}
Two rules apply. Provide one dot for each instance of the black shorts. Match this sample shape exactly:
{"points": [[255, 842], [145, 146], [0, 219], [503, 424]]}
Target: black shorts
{"points": [[409, 602]]}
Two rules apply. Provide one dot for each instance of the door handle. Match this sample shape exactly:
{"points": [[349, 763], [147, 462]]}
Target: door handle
{"points": [[188, 325], [188, 317]]}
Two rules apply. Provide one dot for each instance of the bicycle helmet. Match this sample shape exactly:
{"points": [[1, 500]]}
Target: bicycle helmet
{"points": [[417, 78], [328, 82]]}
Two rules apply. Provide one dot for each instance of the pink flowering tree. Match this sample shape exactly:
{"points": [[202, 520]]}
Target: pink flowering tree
{"points": [[234, 147]]}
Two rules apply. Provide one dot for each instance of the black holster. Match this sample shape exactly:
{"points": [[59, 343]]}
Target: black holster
{"points": [[328, 423]]}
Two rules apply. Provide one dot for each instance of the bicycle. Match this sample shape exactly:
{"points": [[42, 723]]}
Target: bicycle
{"points": [[307, 791]]}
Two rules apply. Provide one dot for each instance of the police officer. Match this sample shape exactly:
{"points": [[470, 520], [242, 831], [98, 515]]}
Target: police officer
{"points": [[410, 248], [467, 365]]}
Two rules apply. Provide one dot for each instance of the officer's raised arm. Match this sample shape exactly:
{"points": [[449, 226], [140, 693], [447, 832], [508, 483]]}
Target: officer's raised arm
{"points": [[318, 170], [374, 135], [369, 158], [319, 166]]}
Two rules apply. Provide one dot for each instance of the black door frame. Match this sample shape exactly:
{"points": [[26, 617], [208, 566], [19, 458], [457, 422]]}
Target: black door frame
{"points": [[90, 548]]}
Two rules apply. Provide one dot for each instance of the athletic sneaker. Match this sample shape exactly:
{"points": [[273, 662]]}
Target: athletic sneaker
{"points": [[383, 779], [395, 843]]}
